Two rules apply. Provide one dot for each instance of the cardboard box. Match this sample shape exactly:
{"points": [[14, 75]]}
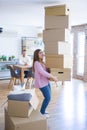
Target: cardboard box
{"points": [[23, 108], [56, 35], [59, 61], [54, 22], [63, 74], [58, 48], [36, 121], [56, 10]]}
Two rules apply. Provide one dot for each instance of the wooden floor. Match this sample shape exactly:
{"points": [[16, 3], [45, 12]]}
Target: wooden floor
{"points": [[68, 106]]}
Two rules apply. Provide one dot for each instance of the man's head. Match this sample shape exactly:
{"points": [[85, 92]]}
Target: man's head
{"points": [[24, 53]]}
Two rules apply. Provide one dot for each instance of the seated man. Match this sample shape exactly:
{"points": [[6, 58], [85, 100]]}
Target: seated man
{"points": [[25, 60]]}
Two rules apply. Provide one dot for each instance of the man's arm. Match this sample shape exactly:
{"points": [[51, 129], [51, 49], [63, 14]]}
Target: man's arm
{"points": [[21, 61], [29, 61]]}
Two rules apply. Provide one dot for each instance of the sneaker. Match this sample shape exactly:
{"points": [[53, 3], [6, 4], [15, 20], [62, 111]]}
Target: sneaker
{"points": [[47, 115], [46, 112]]}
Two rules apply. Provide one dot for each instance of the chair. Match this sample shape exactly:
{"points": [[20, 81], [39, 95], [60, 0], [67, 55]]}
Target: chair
{"points": [[30, 78], [15, 74], [30, 82]]}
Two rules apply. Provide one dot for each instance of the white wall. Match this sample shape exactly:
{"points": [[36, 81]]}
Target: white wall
{"points": [[9, 44], [24, 13], [78, 9], [26, 20], [16, 21], [21, 14], [10, 38]]}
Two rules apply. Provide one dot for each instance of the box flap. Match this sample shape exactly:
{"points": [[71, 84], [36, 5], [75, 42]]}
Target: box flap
{"points": [[34, 101]]}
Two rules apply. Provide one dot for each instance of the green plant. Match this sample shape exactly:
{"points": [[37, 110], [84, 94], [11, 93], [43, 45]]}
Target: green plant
{"points": [[4, 57], [13, 57], [9, 58]]}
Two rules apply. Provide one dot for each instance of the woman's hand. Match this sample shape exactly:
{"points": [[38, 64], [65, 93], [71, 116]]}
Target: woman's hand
{"points": [[55, 79]]}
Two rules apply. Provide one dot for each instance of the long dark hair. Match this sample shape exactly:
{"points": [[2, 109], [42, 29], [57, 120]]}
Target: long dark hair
{"points": [[36, 56]]}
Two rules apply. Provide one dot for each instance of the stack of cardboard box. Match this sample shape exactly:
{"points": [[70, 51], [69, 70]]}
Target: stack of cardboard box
{"points": [[56, 37], [23, 115]]}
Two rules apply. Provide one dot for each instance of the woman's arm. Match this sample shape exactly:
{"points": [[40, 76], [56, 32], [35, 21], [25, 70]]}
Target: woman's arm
{"points": [[43, 72], [40, 69]]}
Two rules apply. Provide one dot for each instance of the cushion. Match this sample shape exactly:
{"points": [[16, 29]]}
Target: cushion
{"points": [[20, 97]]}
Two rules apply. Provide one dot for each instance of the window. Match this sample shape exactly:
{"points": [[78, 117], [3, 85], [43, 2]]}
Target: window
{"points": [[80, 53]]}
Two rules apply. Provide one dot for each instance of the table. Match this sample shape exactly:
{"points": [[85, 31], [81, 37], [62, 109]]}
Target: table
{"points": [[22, 68]]}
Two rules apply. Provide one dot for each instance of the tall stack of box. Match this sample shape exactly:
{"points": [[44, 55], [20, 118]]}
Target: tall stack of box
{"points": [[23, 115], [56, 37]]}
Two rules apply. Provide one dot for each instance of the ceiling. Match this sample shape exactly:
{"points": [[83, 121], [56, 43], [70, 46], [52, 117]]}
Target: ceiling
{"points": [[30, 1]]}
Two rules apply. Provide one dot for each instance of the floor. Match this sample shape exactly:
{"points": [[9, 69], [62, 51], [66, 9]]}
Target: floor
{"points": [[70, 110], [68, 106]]}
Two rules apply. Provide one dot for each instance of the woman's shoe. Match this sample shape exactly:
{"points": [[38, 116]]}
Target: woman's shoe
{"points": [[47, 115], [46, 112]]}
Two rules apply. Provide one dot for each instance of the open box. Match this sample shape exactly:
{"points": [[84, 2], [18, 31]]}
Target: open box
{"points": [[23, 108]]}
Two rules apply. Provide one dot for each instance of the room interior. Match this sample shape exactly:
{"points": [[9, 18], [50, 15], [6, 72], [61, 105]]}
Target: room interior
{"points": [[24, 20]]}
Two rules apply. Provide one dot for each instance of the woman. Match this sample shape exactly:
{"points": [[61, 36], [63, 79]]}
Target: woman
{"points": [[42, 79]]}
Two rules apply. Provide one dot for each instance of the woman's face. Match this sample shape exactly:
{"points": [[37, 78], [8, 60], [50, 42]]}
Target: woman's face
{"points": [[41, 55]]}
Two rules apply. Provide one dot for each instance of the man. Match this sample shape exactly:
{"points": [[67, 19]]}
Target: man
{"points": [[25, 60]]}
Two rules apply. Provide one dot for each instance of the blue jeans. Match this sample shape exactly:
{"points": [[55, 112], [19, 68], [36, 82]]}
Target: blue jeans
{"points": [[46, 91]]}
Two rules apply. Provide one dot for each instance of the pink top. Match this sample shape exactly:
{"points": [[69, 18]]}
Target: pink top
{"points": [[41, 76]]}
